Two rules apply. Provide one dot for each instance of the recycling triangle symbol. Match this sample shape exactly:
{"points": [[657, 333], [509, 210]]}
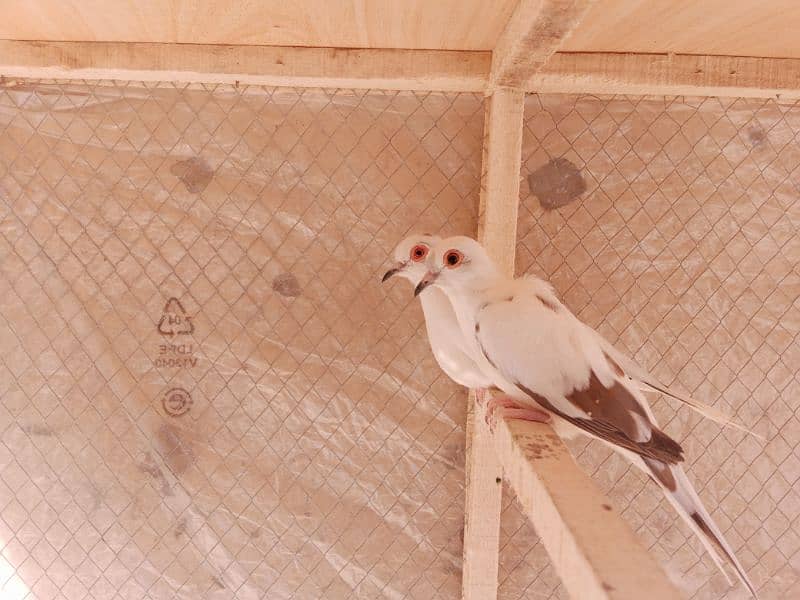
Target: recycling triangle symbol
{"points": [[175, 321]]}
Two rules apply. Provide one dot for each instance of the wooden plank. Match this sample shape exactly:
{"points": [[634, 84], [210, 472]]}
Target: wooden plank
{"points": [[497, 231], [592, 73], [500, 175], [484, 494], [414, 24], [654, 74], [592, 549], [264, 65], [534, 32], [714, 27]]}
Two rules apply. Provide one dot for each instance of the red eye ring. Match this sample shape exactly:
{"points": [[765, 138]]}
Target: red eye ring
{"points": [[418, 253], [452, 258]]}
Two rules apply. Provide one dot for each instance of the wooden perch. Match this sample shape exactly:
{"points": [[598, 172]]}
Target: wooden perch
{"points": [[594, 552], [484, 493]]}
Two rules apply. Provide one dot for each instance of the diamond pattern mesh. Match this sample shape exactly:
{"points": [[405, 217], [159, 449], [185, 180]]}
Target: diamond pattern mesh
{"points": [[206, 391], [684, 251]]}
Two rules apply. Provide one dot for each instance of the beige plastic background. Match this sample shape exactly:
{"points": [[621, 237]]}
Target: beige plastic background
{"points": [[322, 453]]}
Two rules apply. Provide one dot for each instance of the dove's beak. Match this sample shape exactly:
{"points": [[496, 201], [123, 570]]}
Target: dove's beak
{"points": [[428, 279], [393, 271]]}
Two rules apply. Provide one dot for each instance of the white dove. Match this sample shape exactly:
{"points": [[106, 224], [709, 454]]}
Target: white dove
{"points": [[444, 333], [536, 351]]}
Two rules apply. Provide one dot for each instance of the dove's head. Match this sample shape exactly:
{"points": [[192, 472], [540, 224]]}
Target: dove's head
{"points": [[410, 255], [458, 262]]}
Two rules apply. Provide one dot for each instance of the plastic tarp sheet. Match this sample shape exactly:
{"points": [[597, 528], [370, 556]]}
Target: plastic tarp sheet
{"points": [[206, 392]]}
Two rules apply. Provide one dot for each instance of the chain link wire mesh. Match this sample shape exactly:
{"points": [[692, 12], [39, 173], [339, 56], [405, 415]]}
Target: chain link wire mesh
{"points": [[206, 391], [671, 225], [313, 449]]}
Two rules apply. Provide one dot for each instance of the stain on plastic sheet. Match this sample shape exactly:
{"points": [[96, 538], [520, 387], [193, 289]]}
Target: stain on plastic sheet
{"points": [[557, 183], [195, 173]]}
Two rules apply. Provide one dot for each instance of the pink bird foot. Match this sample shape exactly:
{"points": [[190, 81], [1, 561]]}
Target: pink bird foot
{"points": [[513, 410], [480, 395]]}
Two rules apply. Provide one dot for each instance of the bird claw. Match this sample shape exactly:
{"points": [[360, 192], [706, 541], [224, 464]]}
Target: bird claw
{"points": [[512, 410], [480, 396], [491, 407], [527, 414]]}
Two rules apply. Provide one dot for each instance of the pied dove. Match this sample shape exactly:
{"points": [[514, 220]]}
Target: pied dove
{"points": [[535, 350]]}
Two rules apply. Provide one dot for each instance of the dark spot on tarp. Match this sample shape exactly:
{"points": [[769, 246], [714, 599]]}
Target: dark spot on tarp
{"points": [[149, 466], [756, 136], [453, 455], [606, 506], [607, 587], [97, 497], [557, 183], [286, 284], [256, 533], [34, 429], [217, 583], [195, 173], [180, 527], [176, 451]]}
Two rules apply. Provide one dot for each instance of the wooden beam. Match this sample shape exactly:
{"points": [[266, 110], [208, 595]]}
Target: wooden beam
{"points": [[484, 494], [497, 230], [500, 175], [670, 74], [385, 69], [592, 549], [536, 29], [594, 73]]}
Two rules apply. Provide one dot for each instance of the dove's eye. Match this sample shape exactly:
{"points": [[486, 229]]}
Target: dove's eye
{"points": [[453, 258], [419, 252]]}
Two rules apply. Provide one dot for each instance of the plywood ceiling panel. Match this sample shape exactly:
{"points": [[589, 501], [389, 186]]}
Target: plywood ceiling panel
{"points": [[444, 24], [727, 27]]}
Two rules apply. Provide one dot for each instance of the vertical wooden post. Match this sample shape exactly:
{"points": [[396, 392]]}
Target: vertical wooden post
{"points": [[497, 230], [484, 485], [502, 156]]}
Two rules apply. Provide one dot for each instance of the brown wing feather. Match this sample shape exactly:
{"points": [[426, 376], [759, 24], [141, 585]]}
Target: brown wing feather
{"points": [[660, 446], [612, 411], [614, 405]]}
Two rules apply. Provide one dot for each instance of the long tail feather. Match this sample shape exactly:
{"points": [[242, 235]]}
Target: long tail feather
{"points": [[679, 491], [704, 409], [648, 382]]}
